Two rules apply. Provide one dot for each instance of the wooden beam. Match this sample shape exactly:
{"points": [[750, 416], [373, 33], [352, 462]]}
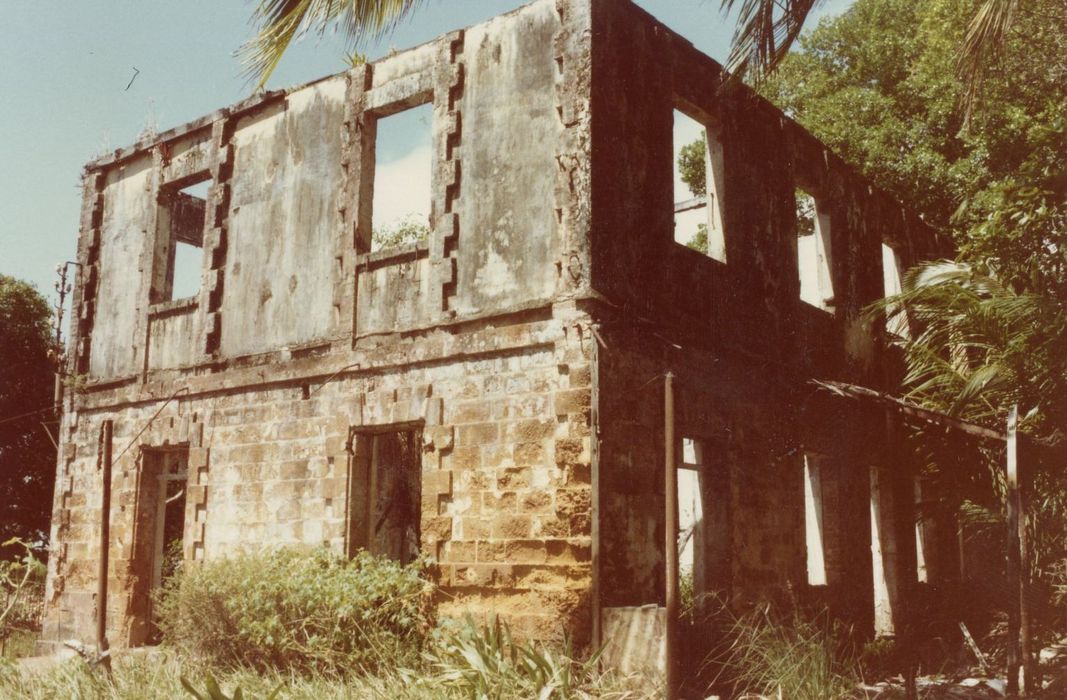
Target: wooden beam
{"points": [[910, 409]]}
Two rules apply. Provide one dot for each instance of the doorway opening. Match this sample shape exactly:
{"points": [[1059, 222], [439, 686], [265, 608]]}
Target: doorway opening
{"points": [[385, 492], [159, 539]]}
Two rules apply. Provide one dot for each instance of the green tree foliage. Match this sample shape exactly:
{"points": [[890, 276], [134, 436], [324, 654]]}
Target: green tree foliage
{"points": [[410, 230], [981, 348], [692, 166], [878, 84], [281, 21], [693, 171], [27, 456]]}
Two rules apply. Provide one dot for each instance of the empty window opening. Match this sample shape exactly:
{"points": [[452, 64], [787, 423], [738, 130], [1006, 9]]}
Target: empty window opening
{"points": [[922, 533], [385, 495], [820, 507], [182, 214], [690, 506], [704, 525], [896, 320], [401, 207], [884, 554], [188, 260], [814, 258], [698, 187], [159, 546]]}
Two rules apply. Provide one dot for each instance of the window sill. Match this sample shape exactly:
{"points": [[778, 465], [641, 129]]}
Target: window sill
{"points": [[392, 256], [176, 306]]}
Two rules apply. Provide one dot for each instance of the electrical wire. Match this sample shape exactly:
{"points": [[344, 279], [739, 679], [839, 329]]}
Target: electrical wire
{"points": [[23, 415], [150, 421]]}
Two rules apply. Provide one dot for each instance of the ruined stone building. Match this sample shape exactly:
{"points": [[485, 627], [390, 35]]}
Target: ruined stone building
{"points": [[493, 395]]}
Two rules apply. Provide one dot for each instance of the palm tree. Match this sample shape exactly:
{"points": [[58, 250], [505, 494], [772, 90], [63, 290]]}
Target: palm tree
{"points": [[765, 31]]}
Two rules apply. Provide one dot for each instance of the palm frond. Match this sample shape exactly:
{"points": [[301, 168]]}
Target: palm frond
{"points": [[765, 31], [984, 41], [978, 345], [279, 22]]}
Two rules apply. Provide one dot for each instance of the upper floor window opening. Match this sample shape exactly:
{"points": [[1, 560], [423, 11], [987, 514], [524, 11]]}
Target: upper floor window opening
{"points": [[180, 244], [814, 251], [401, 206], [896, 320], [698, 186]]}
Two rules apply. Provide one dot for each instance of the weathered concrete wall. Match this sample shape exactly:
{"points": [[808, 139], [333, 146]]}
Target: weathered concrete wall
{"points": [[128, 215], [283, 219], [510, 176]]}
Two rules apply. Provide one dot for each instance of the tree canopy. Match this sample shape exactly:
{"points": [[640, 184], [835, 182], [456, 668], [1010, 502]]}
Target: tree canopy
{"points": [[878, 84], [27, 456]]}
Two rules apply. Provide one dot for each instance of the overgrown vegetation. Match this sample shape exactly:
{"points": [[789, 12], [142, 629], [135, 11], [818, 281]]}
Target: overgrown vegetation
{"points": [[485, 661], [879, 85], [788, 656], [21, 596], [311, 624], [160, 676], [299, 611], [407, 231]]}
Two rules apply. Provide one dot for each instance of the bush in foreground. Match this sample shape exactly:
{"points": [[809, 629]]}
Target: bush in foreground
{"points": [[299, 611]]}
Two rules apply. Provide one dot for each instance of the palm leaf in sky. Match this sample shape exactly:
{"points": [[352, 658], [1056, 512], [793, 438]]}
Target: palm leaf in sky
{"points": [[281, 21], [764, 33]]}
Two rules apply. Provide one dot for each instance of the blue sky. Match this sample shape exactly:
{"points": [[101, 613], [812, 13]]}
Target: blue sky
{"points": [[65, 68]]}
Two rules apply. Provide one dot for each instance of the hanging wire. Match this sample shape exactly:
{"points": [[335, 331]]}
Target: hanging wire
{"points": [[150, 421], [23, 415]]}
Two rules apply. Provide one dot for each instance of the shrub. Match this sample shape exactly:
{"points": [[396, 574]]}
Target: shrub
{"points": [[299, 610]]}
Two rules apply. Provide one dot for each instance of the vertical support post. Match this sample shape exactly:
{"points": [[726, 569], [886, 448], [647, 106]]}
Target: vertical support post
{"points": [[105, 538], [1014, 569], [62, 289], [594, 419], [1030, 668], [670, 529]]}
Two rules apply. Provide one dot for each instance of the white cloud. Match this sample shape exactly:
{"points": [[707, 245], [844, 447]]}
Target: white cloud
{"points": [[402, 188]]}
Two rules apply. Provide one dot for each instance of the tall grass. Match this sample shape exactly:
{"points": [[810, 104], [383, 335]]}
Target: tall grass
{"points": [[789, 656], [465, 662]]}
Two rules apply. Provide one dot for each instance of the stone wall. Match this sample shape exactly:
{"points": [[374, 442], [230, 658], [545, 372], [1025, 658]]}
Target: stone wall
{"points": [[742, 344], [505, 475]]}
